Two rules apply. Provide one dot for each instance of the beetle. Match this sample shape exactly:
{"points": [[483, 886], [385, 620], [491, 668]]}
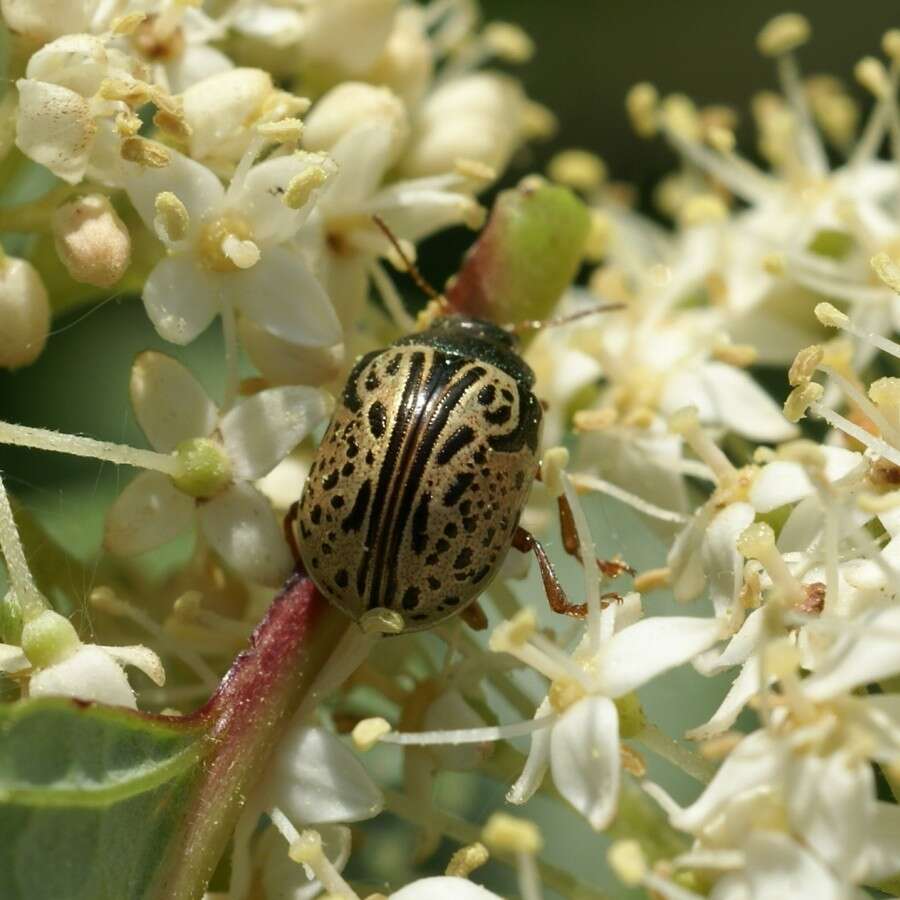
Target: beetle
{"points": [[415, 493]]}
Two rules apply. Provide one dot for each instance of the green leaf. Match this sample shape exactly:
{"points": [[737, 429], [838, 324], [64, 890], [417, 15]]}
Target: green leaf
{"points": [[89, 798]]}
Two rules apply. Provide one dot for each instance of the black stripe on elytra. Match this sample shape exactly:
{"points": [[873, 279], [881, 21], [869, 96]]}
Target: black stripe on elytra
{"points": [[440, 374], [528, 427], [462, 437], [420, 524], [458, 488], [351, 398], [403, 420], [354, 519], [449, 390]]}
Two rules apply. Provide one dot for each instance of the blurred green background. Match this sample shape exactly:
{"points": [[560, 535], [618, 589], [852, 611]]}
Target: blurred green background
{"points": [[589, 52]]}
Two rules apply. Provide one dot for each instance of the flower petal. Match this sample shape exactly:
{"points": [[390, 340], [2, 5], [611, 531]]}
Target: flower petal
{"points": [[860, 658], [723, 565], [180, 299], [142, 658], [243, 530], [169, 403], [882, 853], [195, 186], [758, 760], [282, 296], [281, 362], [315, 778], [779, 867], [742, 689], [642, 651], [12, 659], [88, 674], [150, 512], [55, 128], [584, 758], [261, 430], [444, 887], [537, 762]]}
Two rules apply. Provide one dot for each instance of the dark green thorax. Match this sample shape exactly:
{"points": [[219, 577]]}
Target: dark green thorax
{"points": [[470, 338]]}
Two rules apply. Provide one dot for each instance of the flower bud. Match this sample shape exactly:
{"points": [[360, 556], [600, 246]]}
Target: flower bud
{"points": [[24, 313], [351, 104], [479, 117], [44, 20], [407, 64], [220, 109], [92, 241]]}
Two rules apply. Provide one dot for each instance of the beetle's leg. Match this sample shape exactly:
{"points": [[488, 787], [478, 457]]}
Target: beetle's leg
{"points": [[525, 541], [473, 615], [611, 568], [290, 533]]}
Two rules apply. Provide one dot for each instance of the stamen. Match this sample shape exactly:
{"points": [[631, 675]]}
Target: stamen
{"points": [[458, 736], [585, 482], [686, 422], [307, 850], [757, 541], [870, 409], [866, 438], [106, 600], [302, 185], [392, 300], [75, 445], [171, 221], [522, 839], [578, 169], [25, 590], [626, 859]]}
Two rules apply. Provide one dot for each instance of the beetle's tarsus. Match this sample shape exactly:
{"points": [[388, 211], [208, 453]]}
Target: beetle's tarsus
{"points": [[526, 542]]}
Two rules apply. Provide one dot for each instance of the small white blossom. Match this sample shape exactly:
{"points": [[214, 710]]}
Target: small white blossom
{"points": [[223, 454], [44, 20], [232, 250], [24, 313]]}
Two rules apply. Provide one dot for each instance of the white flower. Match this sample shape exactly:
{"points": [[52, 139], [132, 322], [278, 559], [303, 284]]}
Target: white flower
{"points": [[173, 39], [62, 666], [480, 117], [64, 121], [313, 780], [24, 313], [44, 20], [364, 129], [443, 888], [580, 741], [231, 250], [222, 455]]}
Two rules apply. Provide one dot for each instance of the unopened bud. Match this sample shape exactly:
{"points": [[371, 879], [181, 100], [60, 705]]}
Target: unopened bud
{"points": [[24, 313], [92, 241]]}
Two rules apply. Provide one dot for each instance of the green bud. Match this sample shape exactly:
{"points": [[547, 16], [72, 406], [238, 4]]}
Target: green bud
{"points": [[204, 468], [49, 638], [631, 716], [527, 255]]}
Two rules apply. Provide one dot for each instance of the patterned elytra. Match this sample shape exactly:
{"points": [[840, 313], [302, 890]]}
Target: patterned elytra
{"points": [[418, 484]]}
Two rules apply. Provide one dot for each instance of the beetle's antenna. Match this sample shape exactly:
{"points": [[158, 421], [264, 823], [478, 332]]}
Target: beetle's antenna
{"points": [[537, 324], [411, 269]]}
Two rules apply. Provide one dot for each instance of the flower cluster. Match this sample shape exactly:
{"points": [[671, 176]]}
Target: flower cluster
{"points": [[257, 168]]}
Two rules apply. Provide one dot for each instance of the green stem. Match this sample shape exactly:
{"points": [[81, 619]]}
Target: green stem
{"points": [[267, 684], [683, 757], [463, 832]]}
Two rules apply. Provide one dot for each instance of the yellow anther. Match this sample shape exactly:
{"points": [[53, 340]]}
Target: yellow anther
{"points": [[598, 238], [626, 859], [702, 209], [564, 692], [830, 315], [578, 169], [721, 139], [301, 186], [508, 42], [800, 399], [872, 75], [783, 34], [284, 131], [539, 121], [595, 419], [887, 270], [307, 848], [890, 43], [127, 24], [466, 860], [553, 470], [507, 834], [680, 116], [368, 732], [805, 364], [885, 392], [145, 153], [642, 104], [653, 580], [514, 633], [171, 220]]}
